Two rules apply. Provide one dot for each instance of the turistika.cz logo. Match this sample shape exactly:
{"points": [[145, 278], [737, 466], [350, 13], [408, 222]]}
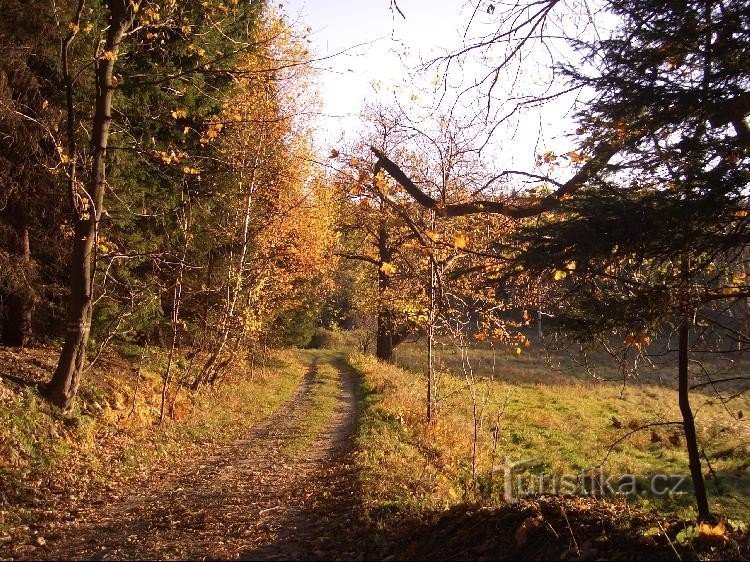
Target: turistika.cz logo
{"points": [[520, 480]]}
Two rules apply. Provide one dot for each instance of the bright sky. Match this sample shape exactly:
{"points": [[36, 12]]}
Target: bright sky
{"points": [[387, 42], [380, 45]]}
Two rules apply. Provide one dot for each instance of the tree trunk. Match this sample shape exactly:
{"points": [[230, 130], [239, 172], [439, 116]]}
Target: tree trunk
{"points": [[62, 388], [430, 339], [384, 347], [19, 304], [688, 422], [384, 343], [17, 321]]}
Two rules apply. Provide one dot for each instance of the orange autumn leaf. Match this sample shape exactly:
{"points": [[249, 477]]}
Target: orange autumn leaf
{"points": [[712, 531], [576, 157]]}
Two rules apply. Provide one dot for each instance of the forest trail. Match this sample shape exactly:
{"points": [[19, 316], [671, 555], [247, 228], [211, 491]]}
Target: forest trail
{"points": [[260, 497]]}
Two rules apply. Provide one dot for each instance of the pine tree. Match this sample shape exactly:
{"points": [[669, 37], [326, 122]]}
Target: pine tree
{"points": [[659, 239]]}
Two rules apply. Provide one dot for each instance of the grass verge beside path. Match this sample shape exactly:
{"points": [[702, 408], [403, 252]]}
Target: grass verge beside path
{"points": [[52, 462]]}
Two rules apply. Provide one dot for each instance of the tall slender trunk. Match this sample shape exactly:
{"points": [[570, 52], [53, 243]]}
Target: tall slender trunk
{"points": [[63, 387], [19, 304], [688, 422], [683, 391], [430, 343], [431, 287], [384, 343]]}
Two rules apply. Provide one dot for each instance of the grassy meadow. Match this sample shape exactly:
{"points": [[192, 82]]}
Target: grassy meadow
{"points": [[554, 414]]}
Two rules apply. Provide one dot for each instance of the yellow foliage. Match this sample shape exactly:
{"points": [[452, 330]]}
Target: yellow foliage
{"points": [[460, 241], [388, 268], [730, 291], [167, 157], [273, 186]]}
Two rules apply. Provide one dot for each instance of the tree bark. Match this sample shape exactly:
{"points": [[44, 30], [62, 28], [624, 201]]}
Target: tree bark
{"points": [[88, 204], [688, 422], [513, 208], [431, 339], [19, 304], [384, 343]]}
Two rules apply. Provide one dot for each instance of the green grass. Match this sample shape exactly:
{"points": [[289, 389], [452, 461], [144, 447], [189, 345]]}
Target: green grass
{"points": [[559, 418], [323, 399]]}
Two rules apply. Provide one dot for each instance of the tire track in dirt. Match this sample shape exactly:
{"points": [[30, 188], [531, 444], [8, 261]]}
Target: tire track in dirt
{"points": [[320, 520], [251, 500]]}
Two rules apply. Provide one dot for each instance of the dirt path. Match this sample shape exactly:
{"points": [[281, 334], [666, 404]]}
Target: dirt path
{"points": [[252, 500]]}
